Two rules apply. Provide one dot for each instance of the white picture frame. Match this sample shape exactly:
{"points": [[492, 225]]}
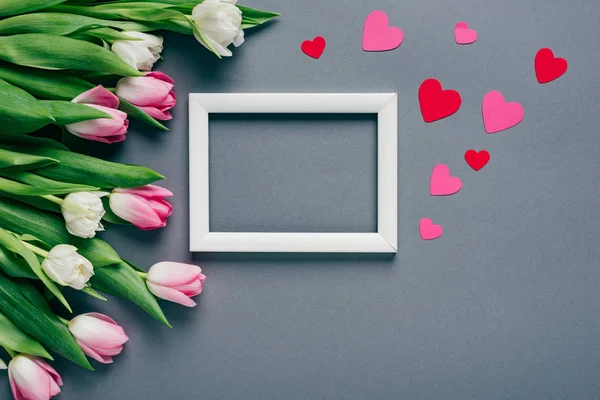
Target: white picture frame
{"points": [[385, 105]]}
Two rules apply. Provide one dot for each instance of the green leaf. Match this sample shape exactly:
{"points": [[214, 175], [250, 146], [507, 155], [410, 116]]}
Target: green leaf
{"points": [[22, 162], [11, 243], [20, 189], [14, 7], [40, 50], [27, 141], [23, 219], [61, 24], [20, 112], [24, 306], [121, 280], [108, 35], [91, 292], [14, 266], [45, 84], [13, 338], [136, 113], [56, 187], [65, 112], [257, 15], [32, 239], [79, 168], [202, 36]]}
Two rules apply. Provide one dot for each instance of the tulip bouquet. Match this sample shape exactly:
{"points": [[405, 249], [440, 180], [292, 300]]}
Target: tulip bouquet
{"points": [[73, 71]]}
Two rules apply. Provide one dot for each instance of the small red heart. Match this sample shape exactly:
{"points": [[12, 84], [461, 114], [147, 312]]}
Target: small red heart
{"points": [[477, 159], [548, 67], [314, 48], [437, 103]]}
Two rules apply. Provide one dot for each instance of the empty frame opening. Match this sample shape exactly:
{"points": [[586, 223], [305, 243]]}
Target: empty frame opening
{"points": [[293, 172]]}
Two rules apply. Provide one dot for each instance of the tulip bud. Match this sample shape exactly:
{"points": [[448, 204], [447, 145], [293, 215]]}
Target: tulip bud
{"points": [[220, 21], [145, 207], [152, 94], [175, 282], [105, 130], [33, 378], [83, 212], [140, 54], [67, 267], [98, 336]]}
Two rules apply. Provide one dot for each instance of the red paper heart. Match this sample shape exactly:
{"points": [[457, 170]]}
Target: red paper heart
{"points": [[314, 48], [548, 67], [437, 103], [477, 159]]}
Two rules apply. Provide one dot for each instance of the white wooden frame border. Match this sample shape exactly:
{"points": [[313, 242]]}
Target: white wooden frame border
{"points": [[385, 105]]}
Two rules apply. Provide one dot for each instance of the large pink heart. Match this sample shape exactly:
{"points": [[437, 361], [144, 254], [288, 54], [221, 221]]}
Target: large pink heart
{"points": [[378, 35], [442, 184], [499, 115], [429, 230]]}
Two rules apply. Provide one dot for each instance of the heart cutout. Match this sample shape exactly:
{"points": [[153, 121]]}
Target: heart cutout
{"points": [[498, 115], [378, 35], [548, 67], [437, 103], [442, 183], [464, 35], [429, 230], [314, 48], [477, 159]]}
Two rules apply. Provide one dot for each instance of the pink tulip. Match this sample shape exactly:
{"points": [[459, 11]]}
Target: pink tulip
{"points": [[98, 336], [175, 282], [145, 207], [106, 130], [32, 378], [152, 93]]}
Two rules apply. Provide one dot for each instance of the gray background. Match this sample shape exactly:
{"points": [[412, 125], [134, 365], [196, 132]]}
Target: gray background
{"points": [[503, 306]]}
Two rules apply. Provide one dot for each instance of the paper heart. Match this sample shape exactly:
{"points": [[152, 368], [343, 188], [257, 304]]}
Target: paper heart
{"points": [[548, 67], [464, 35], [378, 35], [477, 159], [437, 103], [442, 184], [499, 115], [314, 48], [429, 230]]}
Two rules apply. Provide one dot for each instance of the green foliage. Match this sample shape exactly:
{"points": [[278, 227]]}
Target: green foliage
{"points": [[20, 112], [14, 7], [11, 337], [40, 50], [11, 243], [27, 309]]}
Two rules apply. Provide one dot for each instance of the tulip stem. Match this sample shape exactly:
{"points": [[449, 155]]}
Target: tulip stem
{"points": [[53, 199], [142, 274], [35, 249]]}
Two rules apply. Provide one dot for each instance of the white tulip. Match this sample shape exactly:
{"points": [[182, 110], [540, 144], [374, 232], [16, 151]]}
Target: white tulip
{"points": [[140, 54], [2, 364], [67, 267], [220, 21], [83, 212]]}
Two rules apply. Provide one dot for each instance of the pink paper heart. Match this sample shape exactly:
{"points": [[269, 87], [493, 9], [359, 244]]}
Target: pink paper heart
{"points": [[442, 184], [378, 35], [499, 115], [429, 230], [464, 35]]}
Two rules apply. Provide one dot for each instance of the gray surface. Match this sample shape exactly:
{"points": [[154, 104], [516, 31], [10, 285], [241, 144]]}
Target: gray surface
{"points": [[503, 306]]}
